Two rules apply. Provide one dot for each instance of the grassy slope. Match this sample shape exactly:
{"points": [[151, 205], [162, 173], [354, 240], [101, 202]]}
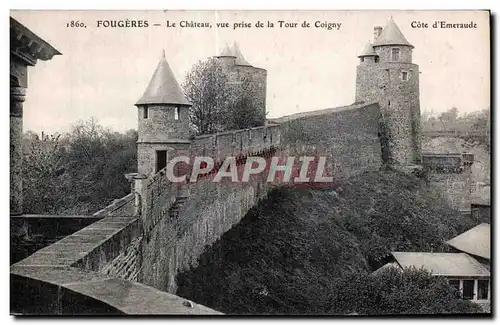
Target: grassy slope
{"points": [[284, 256]]}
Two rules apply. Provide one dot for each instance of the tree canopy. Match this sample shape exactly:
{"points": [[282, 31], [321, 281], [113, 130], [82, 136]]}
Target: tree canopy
{"points": [[79, 172], [220, 102]]}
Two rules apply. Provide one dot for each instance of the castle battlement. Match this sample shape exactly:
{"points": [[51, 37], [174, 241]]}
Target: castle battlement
{"points": [[243, 142]]}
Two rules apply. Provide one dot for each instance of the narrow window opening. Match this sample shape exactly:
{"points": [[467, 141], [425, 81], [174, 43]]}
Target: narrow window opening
{"points": [[395, 54], [362, 59], [404, 76], [377, 59], [176, 113], [161, 159], [145, 112], [468, 290]]}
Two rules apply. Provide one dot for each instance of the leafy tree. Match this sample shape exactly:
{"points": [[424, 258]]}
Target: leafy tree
{"points": [[244, 109], [79, 172], [205, 87], [44, 173], [220, 103], [449, 117]]}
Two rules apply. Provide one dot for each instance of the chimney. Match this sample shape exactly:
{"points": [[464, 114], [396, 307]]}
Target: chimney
{"points": [[377, 30]]}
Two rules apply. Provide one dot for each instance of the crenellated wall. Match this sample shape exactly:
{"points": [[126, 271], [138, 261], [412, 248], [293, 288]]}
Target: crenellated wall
{"points": [[235, 143], [173, 240], [162, 228]]}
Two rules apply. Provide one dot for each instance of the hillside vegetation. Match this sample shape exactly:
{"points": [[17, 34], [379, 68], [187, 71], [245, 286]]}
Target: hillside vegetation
{"points": [[310, 251], [79, 172]]}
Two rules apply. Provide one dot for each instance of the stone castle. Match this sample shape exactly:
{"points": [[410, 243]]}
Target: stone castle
{"points": [[163, 120], [387, 76], [127, 261]]}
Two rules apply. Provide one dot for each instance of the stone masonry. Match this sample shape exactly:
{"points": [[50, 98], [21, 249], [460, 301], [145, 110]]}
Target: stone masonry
{"points": [[386, 75], [162, 227]]}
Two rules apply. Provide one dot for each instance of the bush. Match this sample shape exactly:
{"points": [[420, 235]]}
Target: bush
{"points": [[392, 291], [77, 173]]}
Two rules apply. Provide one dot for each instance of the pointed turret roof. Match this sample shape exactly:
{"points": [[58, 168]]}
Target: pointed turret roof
{"points": [[368, 51], [240, 60], [163, 87], [227, 51], [391, 35]]}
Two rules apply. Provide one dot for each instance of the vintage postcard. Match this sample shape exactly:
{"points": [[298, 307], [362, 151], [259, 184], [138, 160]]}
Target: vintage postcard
{"points": [[213, 162]]}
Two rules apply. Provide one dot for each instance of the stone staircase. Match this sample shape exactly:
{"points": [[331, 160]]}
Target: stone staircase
{"points": [[173, 212]]}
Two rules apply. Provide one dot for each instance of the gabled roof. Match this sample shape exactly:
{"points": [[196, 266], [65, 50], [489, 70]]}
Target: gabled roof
{"points": [[475, 241], [391, 35], [442, 264], [240, 60], [163, 87], [368, 51]]}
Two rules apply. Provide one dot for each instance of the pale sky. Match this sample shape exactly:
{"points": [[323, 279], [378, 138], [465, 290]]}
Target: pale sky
{"points": [[104, 71]]}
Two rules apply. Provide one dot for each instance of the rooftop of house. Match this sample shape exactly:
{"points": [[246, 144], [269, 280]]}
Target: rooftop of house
{"points": [[163, 87], [442, 264], [475, 241], [391, 35]]}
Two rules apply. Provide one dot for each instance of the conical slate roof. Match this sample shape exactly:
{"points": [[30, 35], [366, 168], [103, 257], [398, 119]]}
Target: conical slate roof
{"points": [[368, 51], [391, 35], [163, 87], [240, 60], [226, 51]]}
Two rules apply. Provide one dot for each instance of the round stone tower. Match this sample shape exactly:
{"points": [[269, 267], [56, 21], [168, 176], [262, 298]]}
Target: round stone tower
{"points": [[163, 121], [239, 69], [386, 75]]}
